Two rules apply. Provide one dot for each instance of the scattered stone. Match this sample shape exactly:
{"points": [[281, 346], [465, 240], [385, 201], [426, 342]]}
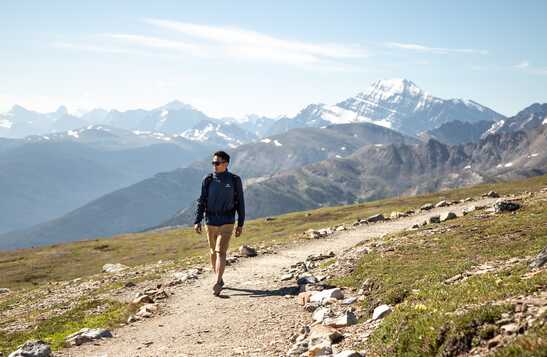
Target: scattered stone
{"points": [[505, 206], [467, 210], [348, 353], [494, 341], [539, 260], [434, 219], [316, 257], [147, 310], [426, 207], [321, 349], [247, 251], [304, 297], [396, 214], [340, 228], [142, 299], [381, 312], [4, 291], [129, 284], [491, 194], [86, 335], [442, 203], [448, 216], [510, 328], [321, 333], [346, 319], [286, 277], [34, 348], [131, 319], [307, 279], [269, 219], [114, 268], [468, 199], [320, 314], [376, 218], [320, 296], [349, 301]]}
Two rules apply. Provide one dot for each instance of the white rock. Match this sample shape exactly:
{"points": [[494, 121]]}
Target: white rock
{"points": [[345, 319], [348, 353], [448, 216], [114, 268], [321, 314], [86, 335], [35, 348], [320, 296], [381, 312]]}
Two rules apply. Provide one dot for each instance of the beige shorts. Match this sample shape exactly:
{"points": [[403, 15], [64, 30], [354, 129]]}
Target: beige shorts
{"points": [[219, 237]]}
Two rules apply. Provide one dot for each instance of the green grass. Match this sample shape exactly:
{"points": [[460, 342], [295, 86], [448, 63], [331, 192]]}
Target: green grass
{"points": [[55, 329], [413, 274]]}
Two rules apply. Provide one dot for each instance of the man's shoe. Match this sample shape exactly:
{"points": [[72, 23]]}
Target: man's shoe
{"points": [[216, 289], [221, 283]]}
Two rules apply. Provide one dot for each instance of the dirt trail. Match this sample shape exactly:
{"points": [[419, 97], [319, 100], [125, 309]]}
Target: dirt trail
{"points": [[253, 317]]}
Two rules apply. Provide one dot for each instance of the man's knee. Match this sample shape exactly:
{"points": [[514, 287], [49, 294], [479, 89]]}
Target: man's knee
{"points": [[212, 252], [220, 254]]}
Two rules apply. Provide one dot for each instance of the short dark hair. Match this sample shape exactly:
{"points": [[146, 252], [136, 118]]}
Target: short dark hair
{"points": [[223, 155]]}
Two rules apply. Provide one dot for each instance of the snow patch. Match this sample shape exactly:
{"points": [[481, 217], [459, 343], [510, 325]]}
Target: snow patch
{"points": [[277, 143], [533, 155], [4, 123], [266, 140], [343, 148], [338, 156], [73, 133], [509, 164], [467, 167]]}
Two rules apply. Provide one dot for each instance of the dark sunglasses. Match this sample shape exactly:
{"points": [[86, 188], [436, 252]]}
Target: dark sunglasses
{"points": [[216, 163]]}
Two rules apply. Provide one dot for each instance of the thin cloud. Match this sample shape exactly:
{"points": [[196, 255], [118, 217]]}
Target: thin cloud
{"points": [[252, 44], [529, 68], [434, 50], [522, 65]]}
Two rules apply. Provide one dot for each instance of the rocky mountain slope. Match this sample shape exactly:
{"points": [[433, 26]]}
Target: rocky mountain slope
{"points": [[457, 132], [153, 200], [398, 104]]}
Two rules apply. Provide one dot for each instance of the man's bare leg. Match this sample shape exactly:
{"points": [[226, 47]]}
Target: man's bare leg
{"points": [[213, 257], [220, 265]]}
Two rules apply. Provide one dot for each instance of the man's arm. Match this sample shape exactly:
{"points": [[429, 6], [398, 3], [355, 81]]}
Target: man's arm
{"points": [[201, 201], [240, 204]]}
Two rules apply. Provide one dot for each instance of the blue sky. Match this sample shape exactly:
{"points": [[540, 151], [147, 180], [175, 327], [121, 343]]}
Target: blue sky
{"points": [[230, 58]]}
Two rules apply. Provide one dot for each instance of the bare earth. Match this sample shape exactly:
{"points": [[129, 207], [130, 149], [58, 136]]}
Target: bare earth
{"points": [[256, 313]]}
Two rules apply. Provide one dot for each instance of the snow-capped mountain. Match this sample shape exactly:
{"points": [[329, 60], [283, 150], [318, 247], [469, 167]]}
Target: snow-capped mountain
{"points": [[531, 117], [397, 104], [20, 122], [256, 124]]}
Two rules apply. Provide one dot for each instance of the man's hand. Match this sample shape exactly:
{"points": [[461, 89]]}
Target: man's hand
{"points": [[197, 228], [239, 229]]}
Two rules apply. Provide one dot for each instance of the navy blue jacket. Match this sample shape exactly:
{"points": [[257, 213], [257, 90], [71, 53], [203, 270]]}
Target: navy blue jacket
{"points": [[219, 202]]}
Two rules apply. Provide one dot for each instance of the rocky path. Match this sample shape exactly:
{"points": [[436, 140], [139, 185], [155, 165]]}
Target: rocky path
{"points": [[256, 313]]}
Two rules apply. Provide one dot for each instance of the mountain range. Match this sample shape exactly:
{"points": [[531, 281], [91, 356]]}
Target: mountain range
{"points": [[325, 155]]}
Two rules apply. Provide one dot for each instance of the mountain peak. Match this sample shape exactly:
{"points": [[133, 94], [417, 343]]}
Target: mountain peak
{"points": [[389, 87], [177, 105], [62, 110]]}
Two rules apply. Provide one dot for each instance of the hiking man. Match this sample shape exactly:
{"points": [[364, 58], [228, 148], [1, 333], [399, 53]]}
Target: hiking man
{"points": [[221, 197]]}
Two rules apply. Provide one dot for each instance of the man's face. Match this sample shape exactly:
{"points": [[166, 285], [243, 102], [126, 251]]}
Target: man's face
{"points": [[219, 167]]}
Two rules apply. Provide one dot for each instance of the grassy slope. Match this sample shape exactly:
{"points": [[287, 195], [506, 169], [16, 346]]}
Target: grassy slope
{"points": [[28, 267], [31, 268], [412, 276]]}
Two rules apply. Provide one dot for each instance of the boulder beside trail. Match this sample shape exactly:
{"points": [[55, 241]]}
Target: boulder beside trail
{"points": [[247, 251], [501, 206], [540, 259], [34, 348], [448, 216], [114, 268], [376, 218], [86, 335]]}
